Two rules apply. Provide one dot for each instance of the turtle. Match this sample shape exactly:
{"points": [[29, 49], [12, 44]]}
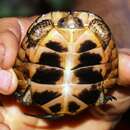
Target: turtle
{"points": [[67, 62]]}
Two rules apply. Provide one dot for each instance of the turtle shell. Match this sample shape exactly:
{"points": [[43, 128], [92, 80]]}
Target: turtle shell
{"points": [[66, 63]]}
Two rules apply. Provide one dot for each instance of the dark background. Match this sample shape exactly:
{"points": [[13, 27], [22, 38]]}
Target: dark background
{"points": [[116, 13]]}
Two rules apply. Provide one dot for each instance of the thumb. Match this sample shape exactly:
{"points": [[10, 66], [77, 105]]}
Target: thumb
{"points": [[8, 81], [9, 39], [12, 31]]}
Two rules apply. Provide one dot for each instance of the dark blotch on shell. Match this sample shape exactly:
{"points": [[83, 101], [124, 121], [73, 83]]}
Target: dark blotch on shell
{"points": [[51, 59], [56, 46], [44, 97], [87, 59], [73, 106], [88, 75], [89, 97], [45, 75], [90, 59], [56, 108], [87, 45]]}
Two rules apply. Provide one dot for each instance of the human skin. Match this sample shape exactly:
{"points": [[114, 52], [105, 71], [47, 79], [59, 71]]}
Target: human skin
{"points": [[12, 31]]}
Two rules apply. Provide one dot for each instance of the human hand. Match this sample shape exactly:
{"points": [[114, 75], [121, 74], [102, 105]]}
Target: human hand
{"points": [[12, 31]]}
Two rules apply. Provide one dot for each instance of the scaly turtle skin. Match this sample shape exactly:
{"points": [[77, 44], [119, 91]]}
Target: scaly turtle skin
{"points": [[66, 63]]}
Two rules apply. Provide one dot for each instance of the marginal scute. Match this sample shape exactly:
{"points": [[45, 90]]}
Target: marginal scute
{"points": [[101, 29], [40, 19], [39, 30]]}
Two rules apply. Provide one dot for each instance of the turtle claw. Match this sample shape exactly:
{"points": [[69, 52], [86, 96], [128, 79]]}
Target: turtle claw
{"points": [[109, 98]]}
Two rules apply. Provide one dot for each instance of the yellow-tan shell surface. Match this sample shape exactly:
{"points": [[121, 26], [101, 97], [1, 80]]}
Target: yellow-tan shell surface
{"points": [[66, 61]]}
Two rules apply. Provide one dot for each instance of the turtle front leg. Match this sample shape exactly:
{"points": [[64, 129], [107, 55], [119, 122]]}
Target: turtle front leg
{"points": [[109, 98], [25, 97], [103, 98]]}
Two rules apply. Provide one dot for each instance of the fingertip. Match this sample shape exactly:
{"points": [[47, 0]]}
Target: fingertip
{"points": [[124, 69], [8, 81], [14, 83]]}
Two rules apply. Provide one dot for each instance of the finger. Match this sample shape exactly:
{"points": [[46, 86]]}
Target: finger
{"points": [[8, 43], [8, 81], [4, 127], [12, 31], [124, 67]]}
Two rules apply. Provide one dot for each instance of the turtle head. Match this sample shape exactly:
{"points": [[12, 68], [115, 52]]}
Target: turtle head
{"points": [[70, 21]]}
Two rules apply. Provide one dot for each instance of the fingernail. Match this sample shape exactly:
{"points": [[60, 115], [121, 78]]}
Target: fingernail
{"points": [[5, 80], [2, 52]]}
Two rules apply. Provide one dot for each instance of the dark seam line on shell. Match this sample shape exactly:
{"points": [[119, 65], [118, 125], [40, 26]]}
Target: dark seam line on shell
{"points": [[101, 46], [73, 84], [23, 62], [89, 50], [92, 66], [59, 53], [64, 52], [48, 66], [101, 80], [76, 83], [110, 61], [76, 53]]}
